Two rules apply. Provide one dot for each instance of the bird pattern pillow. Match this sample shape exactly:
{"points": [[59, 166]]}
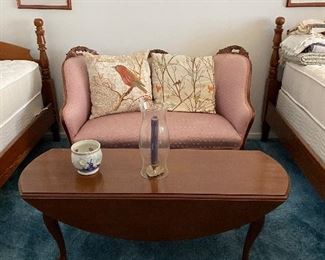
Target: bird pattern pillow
{"points": [[118, 83], [183, 83]]}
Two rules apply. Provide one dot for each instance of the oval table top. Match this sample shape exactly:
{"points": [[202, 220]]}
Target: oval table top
{"points": [[193, 174]]}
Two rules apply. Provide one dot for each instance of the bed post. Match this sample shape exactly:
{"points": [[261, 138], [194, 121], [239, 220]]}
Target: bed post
{"points": [[48, 89], [272, 85]]}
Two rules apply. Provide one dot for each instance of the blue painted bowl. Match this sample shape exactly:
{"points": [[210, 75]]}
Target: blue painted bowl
{"points": [[86, 156]]}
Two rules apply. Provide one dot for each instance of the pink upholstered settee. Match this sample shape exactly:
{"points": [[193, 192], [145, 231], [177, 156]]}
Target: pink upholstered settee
{"points": [[227, 129]]}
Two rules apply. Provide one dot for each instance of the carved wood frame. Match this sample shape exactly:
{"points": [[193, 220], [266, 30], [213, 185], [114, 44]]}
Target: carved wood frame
{"points": [[309, 4], [67, 6]]}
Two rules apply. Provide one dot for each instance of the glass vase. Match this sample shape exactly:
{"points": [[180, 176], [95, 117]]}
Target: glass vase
{"points": [[154, 141]]}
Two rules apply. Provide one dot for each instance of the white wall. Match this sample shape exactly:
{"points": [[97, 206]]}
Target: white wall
{"points": [[182, 27]]}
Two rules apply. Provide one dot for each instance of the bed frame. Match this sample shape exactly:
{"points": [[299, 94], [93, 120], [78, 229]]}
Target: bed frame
{"points": [[18, 149], [301, 152]]}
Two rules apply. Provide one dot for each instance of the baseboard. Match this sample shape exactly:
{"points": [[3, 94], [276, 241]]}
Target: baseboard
{"points": [[48, 135], [256, 135]]}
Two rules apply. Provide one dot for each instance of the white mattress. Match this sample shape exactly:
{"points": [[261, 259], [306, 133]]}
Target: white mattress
{"points": [[20, 97], [306, 85], [301, 103]]}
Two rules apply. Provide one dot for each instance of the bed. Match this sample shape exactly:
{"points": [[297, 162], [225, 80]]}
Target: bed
{"points": [[28, 107], [294, 108]]}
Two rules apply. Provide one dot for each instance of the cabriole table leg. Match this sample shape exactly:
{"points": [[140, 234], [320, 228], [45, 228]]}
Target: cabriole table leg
{"points": [[54, 229], [254, 229]]}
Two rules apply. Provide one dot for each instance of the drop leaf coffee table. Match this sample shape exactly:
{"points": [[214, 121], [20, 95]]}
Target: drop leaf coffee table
{"points": [[205, 193]]}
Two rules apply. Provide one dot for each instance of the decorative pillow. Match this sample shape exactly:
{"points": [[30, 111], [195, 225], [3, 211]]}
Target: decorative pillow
{"points": [[117, 83], [183, 83]]}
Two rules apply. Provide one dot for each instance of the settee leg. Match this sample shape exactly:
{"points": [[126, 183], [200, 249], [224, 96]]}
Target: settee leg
{"points": [[265, 131], [55, 128]]}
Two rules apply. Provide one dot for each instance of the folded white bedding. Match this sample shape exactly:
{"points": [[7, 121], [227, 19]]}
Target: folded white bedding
{"points": [[316, 48], [309, 58], [296, 44], [309, 26]]}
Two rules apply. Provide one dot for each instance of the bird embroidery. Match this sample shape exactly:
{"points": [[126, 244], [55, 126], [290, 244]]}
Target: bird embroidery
{"points": [[158, 88], [210, 88], [129, 78]]}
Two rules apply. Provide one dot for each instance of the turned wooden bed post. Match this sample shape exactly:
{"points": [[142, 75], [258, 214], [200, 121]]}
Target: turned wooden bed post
{"points": [[272, 85], [48, 89]]}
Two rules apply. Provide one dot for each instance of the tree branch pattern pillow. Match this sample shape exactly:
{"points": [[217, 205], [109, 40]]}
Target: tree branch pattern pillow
{"points": [[183, 83], [117, 83]]}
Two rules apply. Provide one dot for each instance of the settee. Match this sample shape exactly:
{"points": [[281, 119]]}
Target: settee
{"points": [[227, 129]]}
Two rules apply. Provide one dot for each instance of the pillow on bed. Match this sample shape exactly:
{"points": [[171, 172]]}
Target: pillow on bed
{"points": [[117, 83], [183, 83], [309, 26]]}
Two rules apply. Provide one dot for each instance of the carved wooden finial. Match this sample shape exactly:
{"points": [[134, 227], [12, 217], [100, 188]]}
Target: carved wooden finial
{"points": [[272, 84], [274, 62], [48, 89], [43, 60], [38, 22], [277, 38], [157, 51], [234, 49], [78, 51], [280, 21]]}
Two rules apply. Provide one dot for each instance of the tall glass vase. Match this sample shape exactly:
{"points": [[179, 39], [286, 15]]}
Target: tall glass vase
{"points": [[154, 141]]}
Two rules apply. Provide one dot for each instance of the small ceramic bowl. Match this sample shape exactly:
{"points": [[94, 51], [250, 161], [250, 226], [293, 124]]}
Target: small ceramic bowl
{"points": [[86, 156]]}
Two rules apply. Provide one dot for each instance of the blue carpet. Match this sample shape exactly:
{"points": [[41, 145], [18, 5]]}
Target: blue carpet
{"points": [[295, 230]]}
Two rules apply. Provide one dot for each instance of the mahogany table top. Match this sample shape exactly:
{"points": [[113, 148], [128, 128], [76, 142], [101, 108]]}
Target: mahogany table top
{"points": [[231, 175]]}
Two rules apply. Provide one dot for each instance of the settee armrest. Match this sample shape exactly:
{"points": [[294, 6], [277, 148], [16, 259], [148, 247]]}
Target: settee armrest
{"points": [[76, 108], [233, 72]]}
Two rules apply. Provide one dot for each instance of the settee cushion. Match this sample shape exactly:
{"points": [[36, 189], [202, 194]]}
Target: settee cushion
{"points": [[117, 83], [183, 83], [186, 130]]}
